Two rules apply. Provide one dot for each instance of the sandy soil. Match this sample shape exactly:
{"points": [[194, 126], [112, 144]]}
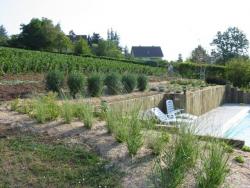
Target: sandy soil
{"points": [[137, 170]]}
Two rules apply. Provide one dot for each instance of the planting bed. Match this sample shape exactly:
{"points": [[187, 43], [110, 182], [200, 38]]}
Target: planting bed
{"points": [[137, 170]]}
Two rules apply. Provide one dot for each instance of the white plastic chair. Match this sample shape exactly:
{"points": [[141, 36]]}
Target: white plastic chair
{"points": [[171, 112], [164, 118]]}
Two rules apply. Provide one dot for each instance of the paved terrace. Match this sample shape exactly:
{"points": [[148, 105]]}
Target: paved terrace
{"points": [[218, 120]]}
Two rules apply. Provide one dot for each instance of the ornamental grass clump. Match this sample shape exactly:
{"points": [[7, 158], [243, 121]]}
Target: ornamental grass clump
{"points": [[46, 108], [88, 115], [95, 85], [157, 141], [75, 83], [67, 112], [179, 158], [129, 83], [54, 81], [214, 167], [135, 137], [113, 83], [142, 82]]}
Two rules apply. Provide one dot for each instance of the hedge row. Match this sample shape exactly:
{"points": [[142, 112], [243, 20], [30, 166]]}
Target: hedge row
{"points": [[193, 70]]}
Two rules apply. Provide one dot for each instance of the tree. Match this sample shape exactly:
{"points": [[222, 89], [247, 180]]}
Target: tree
{"points": [[39, 34], [231, 43], [126, 52], [62, 43], [199, 55], [180, 60], [82, 47], [113, 36], [3, 36], [95, 38], [108, 48]]}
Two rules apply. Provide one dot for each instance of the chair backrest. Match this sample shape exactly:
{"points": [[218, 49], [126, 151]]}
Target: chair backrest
{"points": [[157, 112], [170, 106]]}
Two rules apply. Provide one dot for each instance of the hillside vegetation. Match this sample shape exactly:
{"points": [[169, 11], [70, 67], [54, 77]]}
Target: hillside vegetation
{"points": [[21, 61]]}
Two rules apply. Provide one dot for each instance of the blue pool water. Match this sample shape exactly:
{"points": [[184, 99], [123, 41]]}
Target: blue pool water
{"points": [[240, 131]]}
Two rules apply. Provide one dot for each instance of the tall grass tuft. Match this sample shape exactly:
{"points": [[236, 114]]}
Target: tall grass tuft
{"points": [[135, 138], [214, 167], [67, 112], [157, 141], [88, 116], [177, 160], [46, 108]]}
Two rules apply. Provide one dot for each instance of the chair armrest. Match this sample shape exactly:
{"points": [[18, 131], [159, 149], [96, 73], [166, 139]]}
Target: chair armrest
{"points": [[178, 111]]}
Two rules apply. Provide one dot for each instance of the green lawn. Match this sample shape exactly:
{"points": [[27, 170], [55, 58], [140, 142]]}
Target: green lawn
{"points": [[35, 161]]}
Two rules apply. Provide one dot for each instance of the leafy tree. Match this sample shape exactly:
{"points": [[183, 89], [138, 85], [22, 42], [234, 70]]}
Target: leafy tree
{"points": [[62, 43], [180, 60], [95, 38], [231, 43], [39, 34], [3, 36], [113, 36], [81, 47], [108, 48], [126, 52], [199, 55]]}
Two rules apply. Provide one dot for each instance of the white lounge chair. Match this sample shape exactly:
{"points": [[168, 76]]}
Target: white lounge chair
{"points": [[171, 112], [163, 118]]}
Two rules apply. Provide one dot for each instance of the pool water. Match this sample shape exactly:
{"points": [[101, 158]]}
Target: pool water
{"points": [[241, 131]]}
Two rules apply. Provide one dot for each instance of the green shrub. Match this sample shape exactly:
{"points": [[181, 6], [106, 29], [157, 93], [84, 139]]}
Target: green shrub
{"points": [[192, 70], [54, 81], [214, 167], [142, 82], [129, 83], [95, 85], [75, 83], [67, 112], [113, 84], [177, 159], [157, 142], [237, 71], [246, 148], [46, 108], [239, 159]]}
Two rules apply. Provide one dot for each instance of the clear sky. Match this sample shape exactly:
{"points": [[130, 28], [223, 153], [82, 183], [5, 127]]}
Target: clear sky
{"points": [[178, 26]]}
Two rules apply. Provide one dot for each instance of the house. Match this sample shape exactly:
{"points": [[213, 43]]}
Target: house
{"points": [[147, 53]]}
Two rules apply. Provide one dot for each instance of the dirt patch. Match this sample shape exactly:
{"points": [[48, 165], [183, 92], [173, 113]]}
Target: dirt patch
{"points": [[137, 170], [9, 92]]}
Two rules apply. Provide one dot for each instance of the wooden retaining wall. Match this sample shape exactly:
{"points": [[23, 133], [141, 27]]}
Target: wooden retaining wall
{"points": [[235, 95], [144, 102], [202, 101], [194, 102]]}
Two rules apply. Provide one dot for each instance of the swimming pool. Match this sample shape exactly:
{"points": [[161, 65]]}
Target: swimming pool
{"points": [[240, 131]]}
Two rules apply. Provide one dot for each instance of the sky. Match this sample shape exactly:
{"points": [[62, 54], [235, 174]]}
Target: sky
{"points": [[178, 26]]}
